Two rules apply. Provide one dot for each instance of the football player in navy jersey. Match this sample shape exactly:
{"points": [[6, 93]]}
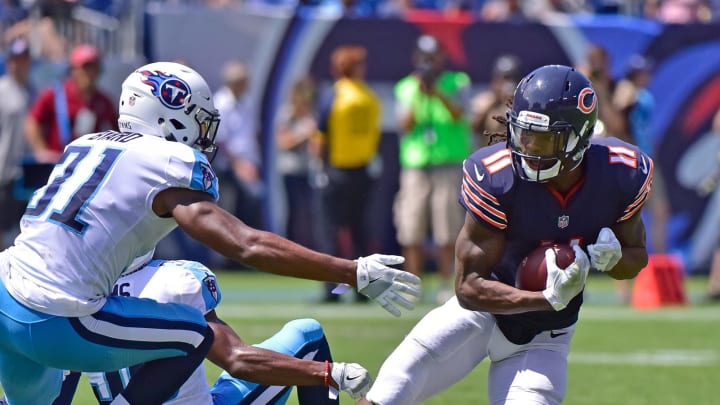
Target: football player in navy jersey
{"points": [[110, 199], [549, 182]]}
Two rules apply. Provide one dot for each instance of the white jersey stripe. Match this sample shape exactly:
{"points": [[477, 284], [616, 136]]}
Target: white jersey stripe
{"points": [[267, 395], [146, 334]]}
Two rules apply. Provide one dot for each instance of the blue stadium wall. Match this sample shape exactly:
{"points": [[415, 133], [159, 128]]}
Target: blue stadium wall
{"points": [[283, 46]]}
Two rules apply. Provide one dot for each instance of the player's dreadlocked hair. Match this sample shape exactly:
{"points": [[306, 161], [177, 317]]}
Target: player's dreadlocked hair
{"points": [[497, 137]]}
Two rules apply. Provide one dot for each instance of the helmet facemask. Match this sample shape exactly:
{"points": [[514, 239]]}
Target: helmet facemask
{"points": [[207, 124], [542, 151]]}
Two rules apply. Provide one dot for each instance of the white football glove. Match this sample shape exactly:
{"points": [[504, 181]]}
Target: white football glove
{"points": [[564, 284], [606, 252], [389, 287], [351, 378]]}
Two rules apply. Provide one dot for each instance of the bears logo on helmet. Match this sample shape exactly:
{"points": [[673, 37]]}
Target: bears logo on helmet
{"points": [[585, 105]]}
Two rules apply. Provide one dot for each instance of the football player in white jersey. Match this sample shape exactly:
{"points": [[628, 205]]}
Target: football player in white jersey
{"points": [[110, 199], [297, 355]]}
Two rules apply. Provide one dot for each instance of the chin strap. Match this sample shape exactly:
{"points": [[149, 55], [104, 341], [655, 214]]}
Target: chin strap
{"points": [[541, 175]]}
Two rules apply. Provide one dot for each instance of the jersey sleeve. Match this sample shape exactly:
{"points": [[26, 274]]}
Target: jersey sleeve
{"points": [[476, 195], [190, 283], [192, 171], [637, 175]]}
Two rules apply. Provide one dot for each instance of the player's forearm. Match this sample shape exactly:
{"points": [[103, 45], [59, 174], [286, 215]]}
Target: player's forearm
{"points": [[475, 257], [260, 365], [479, 294], [271, 368], [633, 260], [274, 254], [265, 251]]}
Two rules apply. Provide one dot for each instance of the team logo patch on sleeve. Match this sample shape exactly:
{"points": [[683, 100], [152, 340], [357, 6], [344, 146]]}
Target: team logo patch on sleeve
{"points": [[169, 89], [207, 176], [211, 285]]}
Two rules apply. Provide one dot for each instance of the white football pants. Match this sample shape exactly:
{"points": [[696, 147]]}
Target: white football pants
{"points": [[450, 341]]}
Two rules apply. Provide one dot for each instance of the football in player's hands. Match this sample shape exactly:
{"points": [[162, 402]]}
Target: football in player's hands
{"points": [[531, 274]]}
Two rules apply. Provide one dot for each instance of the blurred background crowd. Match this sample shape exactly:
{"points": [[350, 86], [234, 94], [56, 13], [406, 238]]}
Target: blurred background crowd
{"points": [[345, 122], [57, 21]]}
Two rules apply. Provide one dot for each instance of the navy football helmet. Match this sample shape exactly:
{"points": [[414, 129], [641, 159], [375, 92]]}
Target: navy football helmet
{"points": [[553, 115]]}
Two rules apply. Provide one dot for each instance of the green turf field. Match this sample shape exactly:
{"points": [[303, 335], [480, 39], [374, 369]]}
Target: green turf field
{"points": [[620, 356]]}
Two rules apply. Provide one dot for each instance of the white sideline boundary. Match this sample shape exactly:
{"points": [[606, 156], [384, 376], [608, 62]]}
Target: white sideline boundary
{"points": [[374, 311], [668, 357]]}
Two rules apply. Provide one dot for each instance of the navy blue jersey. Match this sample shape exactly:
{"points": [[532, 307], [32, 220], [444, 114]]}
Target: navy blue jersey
{"points": [[616, 183]]}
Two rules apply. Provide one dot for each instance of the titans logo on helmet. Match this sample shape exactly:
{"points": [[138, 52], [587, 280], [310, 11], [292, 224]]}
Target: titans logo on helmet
{"points": [[170, 89]]}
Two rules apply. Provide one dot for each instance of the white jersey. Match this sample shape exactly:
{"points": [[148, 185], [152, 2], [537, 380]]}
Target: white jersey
{"points": [[175, 281], [82, 229]]}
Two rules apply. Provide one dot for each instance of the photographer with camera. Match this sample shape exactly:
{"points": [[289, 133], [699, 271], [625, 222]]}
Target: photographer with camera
{"points": [[435, 138]]}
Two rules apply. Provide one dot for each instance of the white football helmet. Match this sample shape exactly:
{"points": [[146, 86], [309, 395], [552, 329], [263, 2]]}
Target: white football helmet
{"points": [[171, 101]]}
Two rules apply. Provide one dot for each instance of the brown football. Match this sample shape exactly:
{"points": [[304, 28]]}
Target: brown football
{"points": [[531, 274]]}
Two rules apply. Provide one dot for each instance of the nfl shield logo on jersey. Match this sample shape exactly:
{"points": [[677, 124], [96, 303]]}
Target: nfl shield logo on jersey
{"points": [[563, 221]]}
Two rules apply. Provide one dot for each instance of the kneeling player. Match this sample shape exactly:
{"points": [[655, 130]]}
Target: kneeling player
{"points": [[298, 355]]}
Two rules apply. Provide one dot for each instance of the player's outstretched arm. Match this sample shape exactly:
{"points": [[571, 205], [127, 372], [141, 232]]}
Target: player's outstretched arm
{"points": [[198, 215], [477, 251], [267, 367]]}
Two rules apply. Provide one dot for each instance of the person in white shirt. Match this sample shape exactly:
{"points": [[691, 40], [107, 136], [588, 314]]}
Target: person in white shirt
{"points": [[239, 158], [14, 107]]}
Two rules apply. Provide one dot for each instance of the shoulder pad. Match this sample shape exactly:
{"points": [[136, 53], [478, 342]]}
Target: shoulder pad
{"points": [[192, 170], [487, 177], [629, 169], [199, 288]]}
